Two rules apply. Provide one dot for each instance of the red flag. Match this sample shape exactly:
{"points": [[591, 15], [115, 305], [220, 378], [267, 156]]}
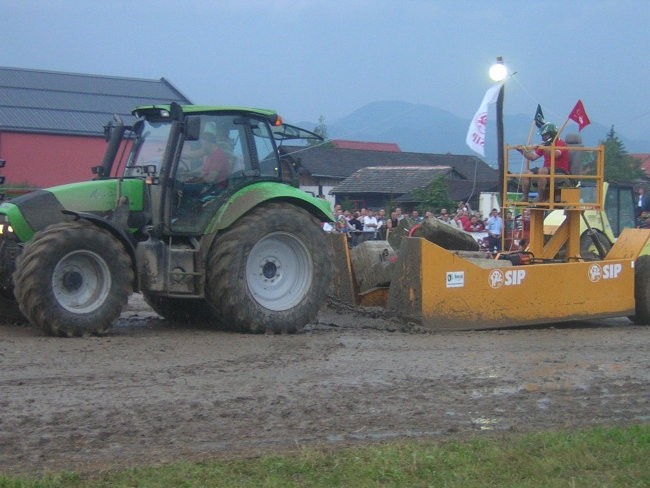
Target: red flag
{"points": [[579, 116]]}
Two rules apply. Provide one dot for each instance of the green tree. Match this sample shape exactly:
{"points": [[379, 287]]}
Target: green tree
{"points": [[619, 165], [435, 195]]}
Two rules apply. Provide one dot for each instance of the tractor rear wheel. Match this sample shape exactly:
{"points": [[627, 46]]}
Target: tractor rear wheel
{"points": [[642, 290], [270, 272], [73, 279], [182, 310]]}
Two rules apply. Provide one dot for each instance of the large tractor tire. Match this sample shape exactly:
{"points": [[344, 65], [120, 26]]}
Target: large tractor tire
{"points": [[642, 290], [73, 279], [181, 310], [270, 272], [9, 310]]}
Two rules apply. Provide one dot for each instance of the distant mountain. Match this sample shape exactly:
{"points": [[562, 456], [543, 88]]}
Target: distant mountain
{"points": [[422, 128]]}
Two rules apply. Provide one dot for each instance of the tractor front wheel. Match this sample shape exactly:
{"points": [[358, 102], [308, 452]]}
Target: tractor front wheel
{"points": [[271, 271], [73, 279]]}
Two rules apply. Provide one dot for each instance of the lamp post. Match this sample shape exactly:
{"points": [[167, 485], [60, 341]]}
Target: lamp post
{"points": [[498, 72]]}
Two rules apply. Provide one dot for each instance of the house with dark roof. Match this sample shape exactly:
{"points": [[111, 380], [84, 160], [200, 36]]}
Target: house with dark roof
{"points": [[373, 186], [52, 123], [323, 169]]}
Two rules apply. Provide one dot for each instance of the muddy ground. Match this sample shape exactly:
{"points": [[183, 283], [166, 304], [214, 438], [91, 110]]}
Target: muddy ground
{"points": [[152, 391]]}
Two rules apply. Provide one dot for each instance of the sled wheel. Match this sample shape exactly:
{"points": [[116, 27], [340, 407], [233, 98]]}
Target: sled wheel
{"points": [[73, 279], [642, 290], [270, 272], [588, 249]]}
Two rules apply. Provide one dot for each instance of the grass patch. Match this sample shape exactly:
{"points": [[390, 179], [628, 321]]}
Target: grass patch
{"points": [[599, 457]]}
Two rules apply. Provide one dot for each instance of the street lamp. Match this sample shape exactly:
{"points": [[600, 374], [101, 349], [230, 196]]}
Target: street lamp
{"points": [[498, 72]]}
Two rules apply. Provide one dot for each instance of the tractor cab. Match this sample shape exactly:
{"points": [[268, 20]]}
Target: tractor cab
{"points": [[193, 159]]}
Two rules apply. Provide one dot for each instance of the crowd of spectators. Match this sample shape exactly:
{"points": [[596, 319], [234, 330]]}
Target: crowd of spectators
{"points": [[489, 231], [494, 232]]}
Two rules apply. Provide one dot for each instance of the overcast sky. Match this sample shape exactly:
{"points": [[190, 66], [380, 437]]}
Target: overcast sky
{"points": [[327, 58]]}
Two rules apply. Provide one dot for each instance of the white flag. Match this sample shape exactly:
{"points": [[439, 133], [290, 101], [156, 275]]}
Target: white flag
{"points": [[476, 133]]}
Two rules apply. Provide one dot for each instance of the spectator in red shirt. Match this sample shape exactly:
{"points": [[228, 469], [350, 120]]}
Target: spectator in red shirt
{"points": [[474, 224], [555, 146], [216, 165]]}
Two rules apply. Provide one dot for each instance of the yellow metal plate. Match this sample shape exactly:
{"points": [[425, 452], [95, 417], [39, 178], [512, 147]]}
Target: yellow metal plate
{"points": [[445, 291]]}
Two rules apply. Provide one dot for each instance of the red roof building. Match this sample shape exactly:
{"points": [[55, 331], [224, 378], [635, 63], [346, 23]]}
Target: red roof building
{"points": [[645, 163], [366, 146], [52, 123]]}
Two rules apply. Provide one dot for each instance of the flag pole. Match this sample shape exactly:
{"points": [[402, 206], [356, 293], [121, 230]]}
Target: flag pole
{"points": [[557, 136], [500, 141], [528, 142]]}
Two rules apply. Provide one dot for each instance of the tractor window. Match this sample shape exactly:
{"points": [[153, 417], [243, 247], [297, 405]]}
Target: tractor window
{"points": [[619, 206], [626, 200], [149, 148], [266, 151], [207, 170], [217, 155], [611, 209]]}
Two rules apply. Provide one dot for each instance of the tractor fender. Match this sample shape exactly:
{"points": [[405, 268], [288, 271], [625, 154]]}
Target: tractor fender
{"points": [[254, 195], [124, 237]]}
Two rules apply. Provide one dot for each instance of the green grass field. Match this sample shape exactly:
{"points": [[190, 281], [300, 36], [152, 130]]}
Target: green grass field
{"points": [[599, 457]]}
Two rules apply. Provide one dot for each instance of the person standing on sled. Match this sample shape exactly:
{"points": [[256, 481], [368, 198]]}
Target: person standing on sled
{"points": [[550, 144]]}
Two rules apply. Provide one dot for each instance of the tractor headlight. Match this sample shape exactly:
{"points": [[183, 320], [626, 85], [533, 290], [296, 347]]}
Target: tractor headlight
{"points": [[5, 227]]}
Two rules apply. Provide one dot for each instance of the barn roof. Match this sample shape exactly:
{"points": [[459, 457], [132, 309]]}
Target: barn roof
{"points": [[76, 104], [339, 163], [389, 179]]}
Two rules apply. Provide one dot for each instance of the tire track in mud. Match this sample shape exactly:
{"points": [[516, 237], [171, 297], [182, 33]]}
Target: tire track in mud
{"points": [[154, 392]]}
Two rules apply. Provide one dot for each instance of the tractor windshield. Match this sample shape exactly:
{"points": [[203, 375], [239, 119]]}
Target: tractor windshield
{"points": [[232, 150], [149, 148]]}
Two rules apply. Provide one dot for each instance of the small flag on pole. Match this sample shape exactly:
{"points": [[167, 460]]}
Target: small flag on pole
{"points": [[539, 117], [476, 134], [579, 116]]}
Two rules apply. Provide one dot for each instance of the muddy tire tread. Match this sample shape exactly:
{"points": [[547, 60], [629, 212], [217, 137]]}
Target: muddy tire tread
{"points": [[642, 290], [227, 291], [33, 276]]}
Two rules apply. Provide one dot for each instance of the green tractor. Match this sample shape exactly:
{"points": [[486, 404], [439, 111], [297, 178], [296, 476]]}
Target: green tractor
{"points": [[194, 207]]}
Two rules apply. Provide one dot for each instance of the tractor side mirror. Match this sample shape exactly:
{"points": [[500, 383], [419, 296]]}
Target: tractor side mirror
{"points": [[192, 128]]}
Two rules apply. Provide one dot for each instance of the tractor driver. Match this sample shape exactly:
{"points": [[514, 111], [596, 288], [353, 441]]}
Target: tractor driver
{"points": [[215, 154], [216, 163], [549, 134], [203, 172]]}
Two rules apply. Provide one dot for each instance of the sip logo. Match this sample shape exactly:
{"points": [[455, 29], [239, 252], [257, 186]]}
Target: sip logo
{"points": [[498, 278], [606, 272]]}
